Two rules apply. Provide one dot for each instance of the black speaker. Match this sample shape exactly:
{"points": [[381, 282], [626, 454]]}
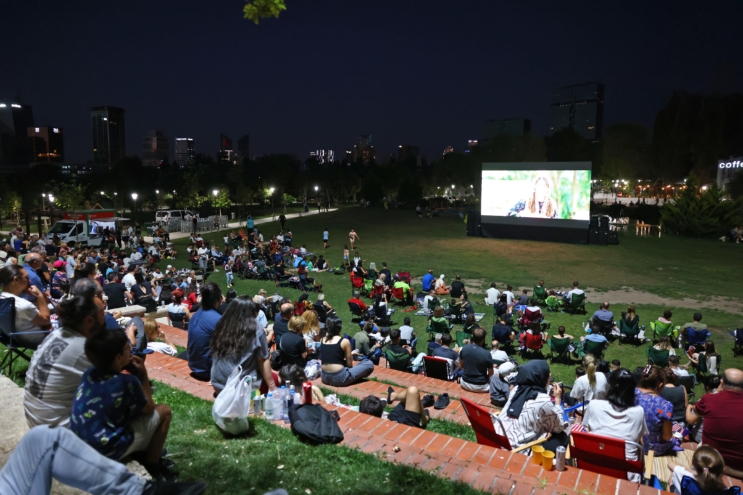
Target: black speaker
{"points": [[604, 222], [594, 222], [613, 237], [593, 236], [473, 224], [603, 237]]}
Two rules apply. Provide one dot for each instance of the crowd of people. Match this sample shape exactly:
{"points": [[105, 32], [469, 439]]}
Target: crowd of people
{"points": [[88, 373]]}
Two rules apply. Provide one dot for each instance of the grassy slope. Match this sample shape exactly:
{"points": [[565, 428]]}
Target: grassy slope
{"points": [[695, 268], [251, 464]]}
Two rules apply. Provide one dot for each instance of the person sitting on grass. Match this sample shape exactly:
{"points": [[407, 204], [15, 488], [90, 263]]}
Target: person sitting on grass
{"points": [[200, 331], [338, 369], [502, 332], [293, 349], [291, 374], [590, 386], [466, 309], [154, 333], [239, 340], [409, 411], [440, 286], [617, 416], [114, 412], [457, 287], [530, 412], [476, 364], [524, 298], [492, 295], [502, 309], [364, 347]]}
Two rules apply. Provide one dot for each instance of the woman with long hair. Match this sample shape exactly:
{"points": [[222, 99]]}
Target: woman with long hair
{"points": [[84, 269], [335, 353], [293, 348], [311, 330], [707, 469], [539, 203], [711, 356], [239, 340], [676, 395], [154, 333], [200, 330], [664, 344], [592, 385], [658, 411], [630, 316], [617, 415]]}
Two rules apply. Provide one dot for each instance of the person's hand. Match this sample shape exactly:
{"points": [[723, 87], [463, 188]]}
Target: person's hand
{"points": [[138, 365], [557, 391], [116, 315], [34, 291]]}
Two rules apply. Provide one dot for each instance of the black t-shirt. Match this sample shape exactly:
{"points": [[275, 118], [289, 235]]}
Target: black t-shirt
{"points": [[141, 291], [388, 277], [467, 309], [456, 289], [291, 348], [445, 352], [502, 333], [115, 293], [44, 268], [477, 361], [280, 328]]}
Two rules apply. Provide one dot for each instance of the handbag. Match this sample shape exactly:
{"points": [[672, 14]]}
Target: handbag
{"points": [[232, 406], [276, 360]]}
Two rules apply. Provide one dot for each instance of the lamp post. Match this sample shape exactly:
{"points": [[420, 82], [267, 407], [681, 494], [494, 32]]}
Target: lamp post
{"points": [[43, 207], [273, 213], [215, 192], [134, 197]]}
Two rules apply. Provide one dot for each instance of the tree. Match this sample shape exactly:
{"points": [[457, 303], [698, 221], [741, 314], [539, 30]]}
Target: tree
{"points": [[700, 215], [188, 189], [69, 196], [11, 205], [255, 10], [626, 151], [221, 199], [568, 146]]}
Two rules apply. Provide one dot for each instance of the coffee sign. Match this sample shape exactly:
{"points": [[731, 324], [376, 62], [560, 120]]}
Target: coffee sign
{"points": [[732, 163]]}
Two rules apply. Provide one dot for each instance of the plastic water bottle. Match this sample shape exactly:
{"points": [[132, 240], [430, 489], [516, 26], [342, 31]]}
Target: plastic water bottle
{"points": [[292, 393], [270, 407], [284, 403]]}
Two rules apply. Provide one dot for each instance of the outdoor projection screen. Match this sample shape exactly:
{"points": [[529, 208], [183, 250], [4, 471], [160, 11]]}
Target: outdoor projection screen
{"points": [[549, 197]]}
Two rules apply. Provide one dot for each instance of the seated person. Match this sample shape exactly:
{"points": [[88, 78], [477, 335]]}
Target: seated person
{"points": [[502, 332], [603, 317], [364, 347], [440, 286], [356, 299], [466, 308], [615, 365], [575, 290], [114, 412], [666, 318], [407, 291], [561, 334], [524, 298], [707, 471], [200, 331], [476, 364], [695, 333], [29, 316], [396, 345], [457, 287], [437, 342], [431, 296], [502, 309], [322, 302], [673, 365], [534, 338], [407, 334], [492, 295], [530, 412], [630, 317], [427, 283], [439, 318], [592, 385], [409, 411], [154, 333], [594, 336], [664, 344], [445, 351], [658, 411], [338, 369], [470, 323], [676, 395], [498, 355], [293, 348], [294, 375], [499, 387]]}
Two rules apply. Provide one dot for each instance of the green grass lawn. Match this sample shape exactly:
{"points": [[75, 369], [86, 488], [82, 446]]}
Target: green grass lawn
{"points": [[669, 267]]}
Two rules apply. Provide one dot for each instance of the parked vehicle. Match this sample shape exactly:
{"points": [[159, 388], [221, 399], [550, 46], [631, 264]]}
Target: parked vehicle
{"points": [[162, 215], [83, 227]]}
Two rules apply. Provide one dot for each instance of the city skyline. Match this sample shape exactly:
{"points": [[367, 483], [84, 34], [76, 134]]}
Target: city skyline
{"points": [[502, 61]]}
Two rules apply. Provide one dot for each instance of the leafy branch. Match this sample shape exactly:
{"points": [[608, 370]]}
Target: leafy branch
{"points": [[255, 10]]}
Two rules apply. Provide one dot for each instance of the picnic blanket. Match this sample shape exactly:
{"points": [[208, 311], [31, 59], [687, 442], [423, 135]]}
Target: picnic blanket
{"points": [[423, 312]]}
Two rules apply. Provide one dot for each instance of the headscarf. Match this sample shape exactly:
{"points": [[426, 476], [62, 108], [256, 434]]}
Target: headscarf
{"points": [[531, 381]]}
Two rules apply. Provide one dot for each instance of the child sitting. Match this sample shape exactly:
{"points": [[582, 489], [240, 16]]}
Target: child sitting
{"points": [[114, 412], [707, 468]]}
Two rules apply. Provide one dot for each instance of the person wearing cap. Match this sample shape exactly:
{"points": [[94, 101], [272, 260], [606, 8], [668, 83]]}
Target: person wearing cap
{"points": [[499, 387], [59, 279]]}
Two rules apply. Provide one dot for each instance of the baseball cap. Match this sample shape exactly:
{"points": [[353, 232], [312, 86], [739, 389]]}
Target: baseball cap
{"points": [[169, 267], [59, 264]]}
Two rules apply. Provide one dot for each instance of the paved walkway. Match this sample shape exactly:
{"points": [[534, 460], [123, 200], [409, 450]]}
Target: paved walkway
{"points": [[486, 468], [238, 224]]}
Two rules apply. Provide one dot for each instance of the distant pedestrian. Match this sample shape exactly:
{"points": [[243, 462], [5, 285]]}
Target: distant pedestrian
{"points": [[282, 220], [325, 237], [352, 237], [250, 223], [319, 206]]}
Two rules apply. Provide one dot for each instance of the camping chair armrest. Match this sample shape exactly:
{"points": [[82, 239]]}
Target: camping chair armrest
{"points": [[32, 332], [733, 473], [530, 444]]}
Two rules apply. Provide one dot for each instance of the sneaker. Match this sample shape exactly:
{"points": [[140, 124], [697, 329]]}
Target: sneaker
{"points": [[427, 401], [167, 488], [442, 401]]}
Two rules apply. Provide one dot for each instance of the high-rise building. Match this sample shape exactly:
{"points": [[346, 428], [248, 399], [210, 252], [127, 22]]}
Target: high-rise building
{"points": [[46, 144], [579, 107], [364, 150], [243, 147], [504, 127], [155, 149], [15, 119], [225, 143], [448, 150], [405, 151], [324, 156], [109, 138], [185, 151]]}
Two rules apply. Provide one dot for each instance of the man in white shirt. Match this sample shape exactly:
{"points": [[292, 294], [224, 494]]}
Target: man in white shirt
{"points": [[673, 363], [575, 290], [158, 274], [509, 295], [136, 256], [407, 333], [71, 265], [129, 279], [497, 354], [202, 251], [492, 295]]}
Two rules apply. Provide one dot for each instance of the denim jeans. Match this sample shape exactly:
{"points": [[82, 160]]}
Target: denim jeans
{"points": [[46, 452], [347, 376], [229, 278]]}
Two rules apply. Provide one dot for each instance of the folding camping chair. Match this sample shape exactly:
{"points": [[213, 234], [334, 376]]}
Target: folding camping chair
{"points": [[482, 419], [595, 348], [577, 304], [688, 383], [540, 295], [397, 361], [608, 455], [627, 331], [553, 304], [559, 348], [178, 320], [356, 311], [357, 284], [604, 327], [658, 358], [661, 330], [461, 336], [438, 367], [17, 342], [439, 325], [533, 345]]}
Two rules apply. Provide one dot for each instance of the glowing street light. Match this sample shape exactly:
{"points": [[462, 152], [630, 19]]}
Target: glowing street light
{"points": [[273, 212], [134, 197]]}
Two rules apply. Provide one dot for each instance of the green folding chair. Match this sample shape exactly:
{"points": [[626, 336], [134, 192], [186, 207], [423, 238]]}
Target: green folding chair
{"points": [[590, 347], [657, 358], [461, 336], [553, 304], [629, 332], [577, 304], [432, 304], [399, 362], [456, 311], [702, 366], [559, 348], [540, 296], [439, 325], [661, 330], [368, 285]]}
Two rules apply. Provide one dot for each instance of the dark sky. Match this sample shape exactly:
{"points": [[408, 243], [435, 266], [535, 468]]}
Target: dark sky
{"points": [[408, 72]]}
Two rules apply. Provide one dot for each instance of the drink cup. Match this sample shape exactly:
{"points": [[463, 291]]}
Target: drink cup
{"points": [[536, 454], [547, 457]]}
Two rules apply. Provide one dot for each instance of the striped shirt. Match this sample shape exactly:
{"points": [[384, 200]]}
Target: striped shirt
{"points": [[538, 416]]}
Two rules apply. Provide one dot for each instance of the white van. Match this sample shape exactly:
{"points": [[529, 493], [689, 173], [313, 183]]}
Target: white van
{"points": [[162, 215]]}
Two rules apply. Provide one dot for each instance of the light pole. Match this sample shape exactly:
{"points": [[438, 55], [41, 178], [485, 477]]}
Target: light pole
{"points": [[273, 213], [134, 197], [216, 193]]}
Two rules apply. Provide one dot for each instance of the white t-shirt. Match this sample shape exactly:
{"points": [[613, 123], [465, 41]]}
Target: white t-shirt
{"points": [[70, 267], [680, 372], [509, 296], [427, 299], [602, 419], [678, 474], [129, 280], [575, 291], [491, 296], [163, 348], [499, 355], [583, 391], [406, 332], [25, 311], [53, 377]]}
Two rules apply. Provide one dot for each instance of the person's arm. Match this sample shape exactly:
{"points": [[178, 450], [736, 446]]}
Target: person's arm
{"points": [[264, 367], [692, 417], [141, 370], [667, 431], [346, 346], [490, 372], [42, 317]]}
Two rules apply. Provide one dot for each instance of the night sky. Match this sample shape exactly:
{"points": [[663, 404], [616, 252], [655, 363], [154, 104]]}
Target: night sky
{"points": [[425, 73]]}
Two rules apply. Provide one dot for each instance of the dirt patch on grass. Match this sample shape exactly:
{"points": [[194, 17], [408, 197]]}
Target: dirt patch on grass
{"points": [[628, 295]]}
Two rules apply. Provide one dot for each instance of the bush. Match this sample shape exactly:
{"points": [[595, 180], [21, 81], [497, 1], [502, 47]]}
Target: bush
{"points": [[700, 215]]}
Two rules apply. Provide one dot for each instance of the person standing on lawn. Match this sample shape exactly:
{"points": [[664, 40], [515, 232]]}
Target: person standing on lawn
{"points": [[352, 237]]}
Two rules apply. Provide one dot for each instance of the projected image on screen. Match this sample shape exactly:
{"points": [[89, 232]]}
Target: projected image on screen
{"points": [[545, 194]]}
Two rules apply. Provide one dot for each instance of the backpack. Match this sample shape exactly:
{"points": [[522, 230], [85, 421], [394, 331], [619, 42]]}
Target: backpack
{"points": [[314, 424]]}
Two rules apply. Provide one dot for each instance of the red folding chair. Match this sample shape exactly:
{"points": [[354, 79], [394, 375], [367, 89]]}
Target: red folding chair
{"points": [[481, 420], [357, 284], [404, 276], [532, 344], [607, 455]]}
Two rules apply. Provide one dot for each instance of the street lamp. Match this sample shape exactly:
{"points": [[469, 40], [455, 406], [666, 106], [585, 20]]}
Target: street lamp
{"points": [[273, 213], [215, 192], [134, 197], [43, 195]]}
